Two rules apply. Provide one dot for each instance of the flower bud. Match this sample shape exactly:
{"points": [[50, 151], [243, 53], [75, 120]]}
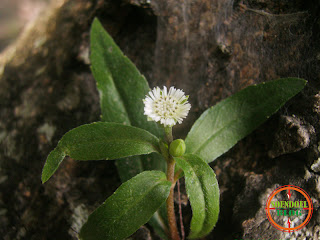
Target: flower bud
{"points": [[177, 148]]}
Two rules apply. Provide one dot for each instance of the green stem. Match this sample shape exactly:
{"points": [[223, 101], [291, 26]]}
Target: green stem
{"points": [[177, 175], [174, 234], [168, 132]]}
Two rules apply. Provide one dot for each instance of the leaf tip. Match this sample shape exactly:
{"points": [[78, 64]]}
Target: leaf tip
{"points": [[305, 81], [298, 80], [44, 178], [52, 163], [46, 175], [95, 21]]}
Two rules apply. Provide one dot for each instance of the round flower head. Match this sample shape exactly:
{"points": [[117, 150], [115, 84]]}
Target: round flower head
{"points": [[165, 107]]}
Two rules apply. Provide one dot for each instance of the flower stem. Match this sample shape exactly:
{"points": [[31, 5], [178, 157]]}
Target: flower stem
{"points": [[168, 134], [174, 234]]}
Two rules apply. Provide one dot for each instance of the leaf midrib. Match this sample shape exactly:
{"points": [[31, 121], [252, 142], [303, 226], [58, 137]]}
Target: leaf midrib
{"points": [[137, 201], [108, 141], [202, 194], [112, 75], [239, 118]]}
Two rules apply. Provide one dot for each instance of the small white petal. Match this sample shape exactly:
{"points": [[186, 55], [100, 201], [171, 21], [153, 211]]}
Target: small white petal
{"points": [[165, 91], [166, 107], [157, 92]]}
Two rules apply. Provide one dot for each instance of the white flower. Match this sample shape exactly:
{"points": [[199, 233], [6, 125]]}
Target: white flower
{"points": [[168, 108]]}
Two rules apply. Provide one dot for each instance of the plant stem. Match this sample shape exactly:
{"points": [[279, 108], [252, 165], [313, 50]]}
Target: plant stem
{"points": [[168, 132], [174, 234], [177, 175]]}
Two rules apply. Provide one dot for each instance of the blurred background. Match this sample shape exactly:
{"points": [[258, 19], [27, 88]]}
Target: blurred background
{"points": [[209, 48], [14, 15]]}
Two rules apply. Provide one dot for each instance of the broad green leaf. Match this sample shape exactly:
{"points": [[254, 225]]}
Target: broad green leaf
{"points": [[222, 126], [131, 206], [203, 193], [158, 222], [100, 140], [121, 88]]}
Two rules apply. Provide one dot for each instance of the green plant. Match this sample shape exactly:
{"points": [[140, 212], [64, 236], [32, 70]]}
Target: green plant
{"points": [[144, 150]]}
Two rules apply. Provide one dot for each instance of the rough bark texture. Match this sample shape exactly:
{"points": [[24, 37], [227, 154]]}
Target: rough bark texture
{"points": [[46, 88]]}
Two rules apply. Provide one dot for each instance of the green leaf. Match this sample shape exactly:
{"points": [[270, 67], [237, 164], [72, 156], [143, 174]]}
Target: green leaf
{"points": [[222, 126], [203, 193], [100, 140], [131, 206], [121, 88], [158, 222]]}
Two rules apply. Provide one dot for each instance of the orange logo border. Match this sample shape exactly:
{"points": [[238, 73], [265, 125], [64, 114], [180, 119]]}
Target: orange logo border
{"points": [[294, 188]]}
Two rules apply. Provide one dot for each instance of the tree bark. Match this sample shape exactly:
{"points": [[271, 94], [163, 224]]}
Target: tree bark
{"points": [[211, 49]]}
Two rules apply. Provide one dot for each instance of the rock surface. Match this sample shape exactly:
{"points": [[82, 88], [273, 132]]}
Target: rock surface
{"points": [[211, 49]]}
